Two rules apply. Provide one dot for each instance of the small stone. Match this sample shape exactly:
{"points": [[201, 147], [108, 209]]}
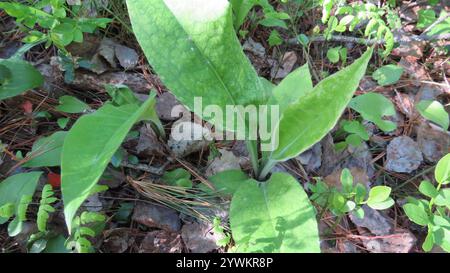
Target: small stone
{"points": [[128, 58], [351, 157], [199, 238], [285, 67], [433, 143], [399, 242], [403, 155], [93, 203], [112, 178], [367, 84], [187, 137], [161, 241], [374, 221], [165, 103], [359, 176], [227, 161], [430, 92], [148, 143], [107, 51], [98, 65], [156, 216], [255, 48], [116, 243], [312, 158]]}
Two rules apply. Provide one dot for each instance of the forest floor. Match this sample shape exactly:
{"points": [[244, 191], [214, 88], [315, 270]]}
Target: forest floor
{"points": [[136, 222]]}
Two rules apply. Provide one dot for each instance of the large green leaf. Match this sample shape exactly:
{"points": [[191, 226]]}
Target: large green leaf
{"points": [[46, 151], [22, 77], [307, 121], [14, 187], [296, 85], [88, 149], [192, 45], [275, 216]]}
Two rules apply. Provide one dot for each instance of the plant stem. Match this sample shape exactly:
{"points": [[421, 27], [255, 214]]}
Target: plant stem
{"points": [[433, 199], [252, 147], [267, 168]]}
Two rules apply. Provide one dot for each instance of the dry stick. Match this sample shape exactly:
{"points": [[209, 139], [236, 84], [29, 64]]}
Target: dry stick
{"points": [[146, 168], [349, 39], [438, 21]]}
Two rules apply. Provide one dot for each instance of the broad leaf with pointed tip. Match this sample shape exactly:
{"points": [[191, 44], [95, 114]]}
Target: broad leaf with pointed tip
{"points": [[275, 216], [46, 151], [292, 88], [89, 147], [21, 76], [309, 119], [13, 188], [192, 45]]}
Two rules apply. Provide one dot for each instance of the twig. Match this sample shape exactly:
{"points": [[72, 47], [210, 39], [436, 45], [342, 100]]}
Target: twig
{"points": [[438, 21], [349, 39], [345, 39], [146, 168]]}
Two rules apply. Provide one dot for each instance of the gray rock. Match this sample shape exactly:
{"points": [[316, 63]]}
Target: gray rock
{"points": [[118, 241], [160, 241], [165, 103], [93, 203], [128, 58], [312, 158], [255, 48], [148, 143], [107, 51], [199, 238], [374, 221], [403, 155], [157, 217], [433, 143], [226, 161], [429, 92], [351, 157], [398, 242], [188, 137], [286, 66]]}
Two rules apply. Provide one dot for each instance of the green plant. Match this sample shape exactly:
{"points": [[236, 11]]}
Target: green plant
{"points": [[381, 20], [337, 53], [262, 215], [350, 196], [46, 151], [47, 198], [435, 112], [16, 193], [355, 133], [17, 76], [433, 211], [388, 74], [88, 224], [374, 107], [219, 230], [56, 27], [91, 143], [284, 16], [178, 177]]}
